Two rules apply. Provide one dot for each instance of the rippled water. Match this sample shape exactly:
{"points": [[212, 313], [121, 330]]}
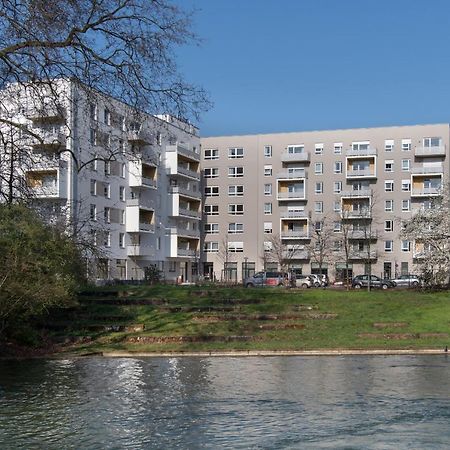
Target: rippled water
{"points": [[363, 402]]}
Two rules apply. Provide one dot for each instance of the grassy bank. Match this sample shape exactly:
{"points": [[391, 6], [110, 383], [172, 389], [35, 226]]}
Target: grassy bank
{"points": [[188, 318]]}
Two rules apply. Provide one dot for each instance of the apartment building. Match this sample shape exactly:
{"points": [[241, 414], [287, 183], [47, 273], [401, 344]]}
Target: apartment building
{"points": [[356, 185], [124, 181]]}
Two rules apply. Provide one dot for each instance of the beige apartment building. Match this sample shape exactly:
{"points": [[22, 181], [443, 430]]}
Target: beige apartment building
{"points": [[356, 185]]}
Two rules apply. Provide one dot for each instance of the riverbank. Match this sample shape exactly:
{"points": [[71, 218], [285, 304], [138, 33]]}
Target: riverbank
{"points": [[181, 320]]}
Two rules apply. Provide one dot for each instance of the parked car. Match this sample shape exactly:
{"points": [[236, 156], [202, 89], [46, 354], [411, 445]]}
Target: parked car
{"points": [[361, 281], [319, 280], [407, 281], [265, 279], [303, 281]]}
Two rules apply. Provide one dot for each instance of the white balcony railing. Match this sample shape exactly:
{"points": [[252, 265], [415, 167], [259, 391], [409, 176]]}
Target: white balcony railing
{"points": [[358, 193], [424, 192], [294, 157], [185, 151], [140, 250], [363, 254], [300, 234], [361, 152], [438, 169], [359, 173], [293, 214], [290, 174], [430, 151], [291, 195]]}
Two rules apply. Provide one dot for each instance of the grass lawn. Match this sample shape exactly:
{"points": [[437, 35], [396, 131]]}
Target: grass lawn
{"points": [[210, 318]]}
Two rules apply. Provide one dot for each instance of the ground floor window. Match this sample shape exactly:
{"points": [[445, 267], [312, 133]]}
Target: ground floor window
{"points": [[229, 272], [315, 269], [248, 269], [387, 270], [341, 271]]}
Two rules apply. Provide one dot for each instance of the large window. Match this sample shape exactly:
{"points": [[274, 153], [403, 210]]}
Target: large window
{"points": [[211, 191], [235, 247], [212, 210], [236, 209], [235, 191], [211, 247], [211, 228], [235, 228], [293, 149], [212, 172], [235, 172], [234, 153], [211, 153]]}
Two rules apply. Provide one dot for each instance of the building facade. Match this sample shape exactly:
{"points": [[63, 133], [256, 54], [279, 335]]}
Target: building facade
{"points": [[125, 182], [353, 187]]}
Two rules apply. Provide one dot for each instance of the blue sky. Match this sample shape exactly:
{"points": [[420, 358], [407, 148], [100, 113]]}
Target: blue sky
{"points": [[293, 65]]}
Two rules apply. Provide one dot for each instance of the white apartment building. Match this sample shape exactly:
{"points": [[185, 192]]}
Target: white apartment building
{"points": [[126, 180], [287, 186]]}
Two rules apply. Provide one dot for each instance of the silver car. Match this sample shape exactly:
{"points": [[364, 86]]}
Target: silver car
{"points": [[406, 281]]}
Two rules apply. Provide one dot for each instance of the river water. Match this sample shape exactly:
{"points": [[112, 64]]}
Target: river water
{"points": [[351, 402]]}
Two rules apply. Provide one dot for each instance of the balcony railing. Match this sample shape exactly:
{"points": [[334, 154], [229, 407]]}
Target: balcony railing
{"points": [[188, 173], [358, 214], [146, 227], [424, 192], [291, 195], [189, 213], [184, 151], [430, 151], [359, 193], [140, 250], [295, 157], [51, 139], [293, 214], [363, 234], [297, 173], [183, 252], [140, 136], [296, 254], [428, 169], [185, 191], [360, 173], [45, 191], [361, 152], [46, 112], [141, 203], [363, 254], [300, 234]]}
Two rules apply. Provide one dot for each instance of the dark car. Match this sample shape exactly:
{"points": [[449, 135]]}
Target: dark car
{"points": [[361, 281], [265, 279]]}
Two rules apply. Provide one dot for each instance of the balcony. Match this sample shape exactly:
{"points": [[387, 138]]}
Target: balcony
{"points": [[189, 213], [300, 254], [300, 234], [186, 252], [297, 195], [426, 192], [293, 214], [184, 151], [421, 152], [142, 203], [363, 255], [363, 234], [184, 191], [361, 152], [295, 157], [46, 183], [47, 113], [361, 173], [356, 194], [140, 250], [141, 137], [356, 214], [48, 139], [292, 174], [435, 169], [184, 232]]}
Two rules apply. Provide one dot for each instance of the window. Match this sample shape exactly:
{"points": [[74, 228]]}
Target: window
{"points": [[122, 216], [211, 153], [107, 116], [235, 191], [267, 151], [388, 246], [267, 246], [295, 149], [405, 205], [234, 153], [388, 145], [318, 225], [318, 149], [235, 172], [211, 228], [406, 185], [212, 210], [337, 245], [236, 210], [389, 205], [389, 185], [338, 148], [363, 145], [268, 189], [122, 193], [319, 187], [267, 227], [211, 247], [212, 172], [235, 228], [235, 247], [337, 187], [337, 227], [93, 212], [93, 111], [267, 208], [122, 240], [107, 190], [268, 171], [337, 206], [389, 165], [107, 167], [318, 168], [388, 225], [406, 164], [123, 170], [107, 239], [338, 167], [432, 142], [94, 164], [406, 246], [211, 191], [93, 136], [318, 207], [406, 145], [93, 187], [107, 215]]}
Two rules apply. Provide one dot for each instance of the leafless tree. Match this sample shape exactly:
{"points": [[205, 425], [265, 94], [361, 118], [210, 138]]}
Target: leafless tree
{"points": [[321, 244], [281, 253]]}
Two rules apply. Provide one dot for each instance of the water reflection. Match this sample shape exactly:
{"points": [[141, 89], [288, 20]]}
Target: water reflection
{"points": [[290, 402]]}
